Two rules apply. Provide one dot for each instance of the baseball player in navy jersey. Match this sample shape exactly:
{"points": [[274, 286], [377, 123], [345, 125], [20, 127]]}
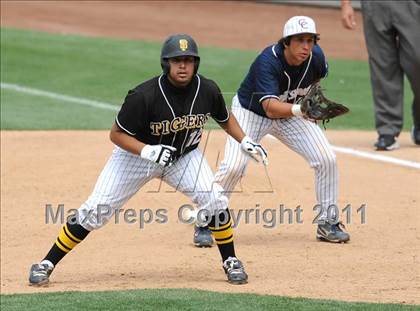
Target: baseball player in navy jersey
{"points": [[156, 134], [267, 103]]}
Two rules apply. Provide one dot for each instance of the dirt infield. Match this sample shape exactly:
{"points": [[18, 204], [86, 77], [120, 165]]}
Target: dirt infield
{"points": [[379, 265], [286, 260]]}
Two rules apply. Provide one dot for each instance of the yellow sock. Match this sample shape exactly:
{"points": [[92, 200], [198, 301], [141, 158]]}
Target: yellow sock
{"points": [[65, 240], [223, 234]]}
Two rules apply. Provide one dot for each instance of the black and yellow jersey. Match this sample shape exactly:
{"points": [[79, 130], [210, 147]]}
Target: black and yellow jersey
{"points": [[157, 112]]}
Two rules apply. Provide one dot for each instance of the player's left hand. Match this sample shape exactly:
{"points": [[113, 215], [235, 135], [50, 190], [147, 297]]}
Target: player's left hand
{"points": [[254, 150], [315, 106]]}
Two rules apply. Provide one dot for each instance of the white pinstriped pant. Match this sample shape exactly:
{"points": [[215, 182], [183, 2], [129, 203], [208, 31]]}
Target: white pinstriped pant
{"points": [[300, 135], [125, 173]]}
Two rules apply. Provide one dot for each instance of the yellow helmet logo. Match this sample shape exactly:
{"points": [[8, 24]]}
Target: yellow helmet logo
{"points": [[183, 44]]}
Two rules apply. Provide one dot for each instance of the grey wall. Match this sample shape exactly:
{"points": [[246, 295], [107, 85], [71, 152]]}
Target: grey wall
{"points": [[319, 3]]}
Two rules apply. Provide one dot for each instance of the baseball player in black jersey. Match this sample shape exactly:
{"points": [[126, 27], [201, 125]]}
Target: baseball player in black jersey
{"points": [[156, 134]]}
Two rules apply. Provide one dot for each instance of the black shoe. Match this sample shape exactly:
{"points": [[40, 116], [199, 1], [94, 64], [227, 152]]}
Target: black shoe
{"points": [[415, 135], [39, 275], [202, 237], [332, 233], [387, 142], [235, 271]]}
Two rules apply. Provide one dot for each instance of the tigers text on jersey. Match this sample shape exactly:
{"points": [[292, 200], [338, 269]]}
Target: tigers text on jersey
{"points": [[156, 112], [271, 76]]}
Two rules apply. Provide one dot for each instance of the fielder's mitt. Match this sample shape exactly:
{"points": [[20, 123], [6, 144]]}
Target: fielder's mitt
{"points": [[316, 106]]}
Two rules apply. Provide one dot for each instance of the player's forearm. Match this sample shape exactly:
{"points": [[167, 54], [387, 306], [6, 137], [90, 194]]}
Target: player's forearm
{"points": [[232, 127], [125, 141], [276, 109]]}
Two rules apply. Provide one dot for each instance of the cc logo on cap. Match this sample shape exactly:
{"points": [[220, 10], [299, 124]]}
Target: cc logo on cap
{"points": [[303, 23]]}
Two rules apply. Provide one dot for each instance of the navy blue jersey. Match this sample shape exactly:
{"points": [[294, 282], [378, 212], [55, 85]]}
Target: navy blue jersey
{"points": [[271, 76]]}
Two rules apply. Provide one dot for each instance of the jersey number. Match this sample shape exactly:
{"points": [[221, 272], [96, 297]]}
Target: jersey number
{"points": [[194, 138]]}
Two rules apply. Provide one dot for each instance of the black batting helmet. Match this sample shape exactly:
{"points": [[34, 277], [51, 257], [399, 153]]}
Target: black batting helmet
{"points": [[178, 45]]}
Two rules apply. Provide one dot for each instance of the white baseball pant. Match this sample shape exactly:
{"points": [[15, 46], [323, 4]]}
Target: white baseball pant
{"points": [[297, 133], [125, 173]]}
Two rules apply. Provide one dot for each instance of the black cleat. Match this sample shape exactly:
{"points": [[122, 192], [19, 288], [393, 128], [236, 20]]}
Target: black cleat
{"points": [[415, 135], [40, 274], [387, 142], [202, 237], [235, 271], [332, 233]]}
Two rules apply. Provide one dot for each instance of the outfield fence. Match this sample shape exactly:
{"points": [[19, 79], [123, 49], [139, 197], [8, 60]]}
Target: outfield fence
{"points": [[315, 3]]}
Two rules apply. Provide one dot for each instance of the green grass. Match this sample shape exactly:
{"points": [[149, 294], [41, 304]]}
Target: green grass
{"points": [[104, 69], [93, 68], [21, 111], [177, 299]]}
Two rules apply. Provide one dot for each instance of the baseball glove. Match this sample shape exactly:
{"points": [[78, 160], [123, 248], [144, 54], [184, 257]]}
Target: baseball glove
{"points": [[316, 106]]}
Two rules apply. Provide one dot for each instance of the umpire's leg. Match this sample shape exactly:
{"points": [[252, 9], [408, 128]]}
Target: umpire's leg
{"points": [[408, 25], [385, 71]]}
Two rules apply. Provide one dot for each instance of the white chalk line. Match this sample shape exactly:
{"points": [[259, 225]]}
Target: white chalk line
{"points": [[108, 106], [372, 156], [376, 157], [60, 97]]}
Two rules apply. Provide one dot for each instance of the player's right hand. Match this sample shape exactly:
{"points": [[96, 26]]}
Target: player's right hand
{"points": [[161, 154]]}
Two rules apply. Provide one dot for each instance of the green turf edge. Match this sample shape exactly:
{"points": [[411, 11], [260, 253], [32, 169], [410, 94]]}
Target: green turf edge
{"points": [[178, 299]]}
